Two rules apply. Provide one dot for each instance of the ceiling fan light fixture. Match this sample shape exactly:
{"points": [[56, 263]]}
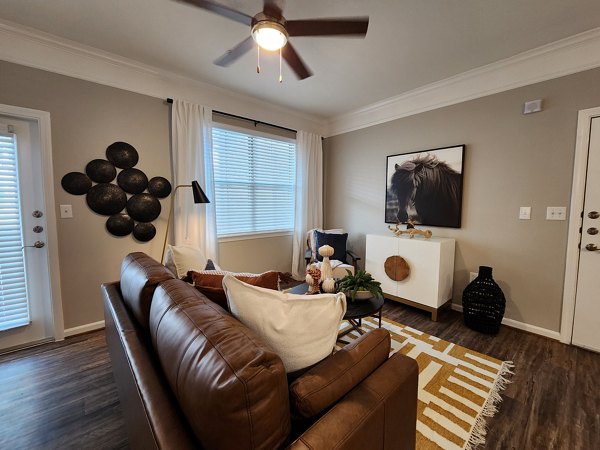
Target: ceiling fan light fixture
{"points": [[269, 35]]}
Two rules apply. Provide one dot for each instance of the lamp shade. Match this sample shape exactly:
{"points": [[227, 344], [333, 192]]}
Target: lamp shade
{"points": [[199, 195]]}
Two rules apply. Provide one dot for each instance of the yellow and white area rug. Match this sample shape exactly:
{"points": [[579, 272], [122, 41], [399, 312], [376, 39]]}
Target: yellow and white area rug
{"points": [[458, 387]]}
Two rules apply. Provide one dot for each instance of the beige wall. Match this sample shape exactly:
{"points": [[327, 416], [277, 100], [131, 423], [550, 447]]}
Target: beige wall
{"points": [[511, 160], [86, 117]]}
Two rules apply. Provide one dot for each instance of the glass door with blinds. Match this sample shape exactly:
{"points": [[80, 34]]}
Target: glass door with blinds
{"points": [[25, 311]]}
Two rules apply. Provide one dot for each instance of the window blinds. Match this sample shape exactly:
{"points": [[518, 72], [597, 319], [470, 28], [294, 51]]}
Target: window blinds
{"points": [[14, 311], [254, 183]]}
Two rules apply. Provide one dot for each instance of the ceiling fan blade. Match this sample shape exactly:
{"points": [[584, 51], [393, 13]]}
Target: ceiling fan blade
{"points": [[231, 55], [221, 10], [295, 62], [328, 27], [273, 8]]}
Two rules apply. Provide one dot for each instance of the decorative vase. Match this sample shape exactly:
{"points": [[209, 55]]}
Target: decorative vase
{"points": [[362, 295], [313, 275], [328, 285], [326, 271], [483, 303]]}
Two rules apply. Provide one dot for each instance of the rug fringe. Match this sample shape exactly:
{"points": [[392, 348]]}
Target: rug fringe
{"points": [[479, 431]]}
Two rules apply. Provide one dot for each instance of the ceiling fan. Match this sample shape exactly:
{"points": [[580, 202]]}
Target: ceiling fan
{"points": [[271, 31]]}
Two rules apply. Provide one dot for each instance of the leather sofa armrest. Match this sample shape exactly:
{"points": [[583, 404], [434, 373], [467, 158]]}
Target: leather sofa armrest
{"points": [[335, 376], [381, 412]]}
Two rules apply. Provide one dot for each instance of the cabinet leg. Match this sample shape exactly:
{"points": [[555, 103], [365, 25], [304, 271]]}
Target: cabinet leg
{"points": [[434, 315]]}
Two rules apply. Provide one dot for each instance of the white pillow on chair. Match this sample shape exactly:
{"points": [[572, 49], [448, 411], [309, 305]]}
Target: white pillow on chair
{"points": [[301, 329], [181, 258]]}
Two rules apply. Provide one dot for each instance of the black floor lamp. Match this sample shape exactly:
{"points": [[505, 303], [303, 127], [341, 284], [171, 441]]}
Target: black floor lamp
{"points": [[199, 197]]}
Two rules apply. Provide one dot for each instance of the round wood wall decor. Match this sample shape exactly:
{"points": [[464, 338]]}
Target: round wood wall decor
{"points": [[122, 155], [101, 171], [76, 183], [132, 181], [159, 187], [144, 232], [106, 199], [119, 225], [143, 208], [396, 268]]}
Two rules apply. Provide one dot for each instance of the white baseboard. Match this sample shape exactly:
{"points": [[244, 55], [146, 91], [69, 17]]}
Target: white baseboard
{"points": [[521, 326], [84, 328]]}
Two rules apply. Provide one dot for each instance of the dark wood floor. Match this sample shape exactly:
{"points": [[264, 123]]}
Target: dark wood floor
{"points": [[553, 401], [63, 395], [60, 396]]}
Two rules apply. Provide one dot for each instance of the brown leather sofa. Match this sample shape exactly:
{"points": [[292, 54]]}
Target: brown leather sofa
{"points": [[190, 375]]}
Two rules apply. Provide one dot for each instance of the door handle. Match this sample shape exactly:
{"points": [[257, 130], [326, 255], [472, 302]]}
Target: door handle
{"points": [[592, 248], [36, 244]]}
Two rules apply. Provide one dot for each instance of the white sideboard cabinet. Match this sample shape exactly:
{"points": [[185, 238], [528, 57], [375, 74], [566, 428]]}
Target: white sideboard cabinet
{"points": [[431, 263]]}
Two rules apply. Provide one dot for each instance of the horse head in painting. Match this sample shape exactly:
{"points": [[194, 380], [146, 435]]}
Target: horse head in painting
{"points": [[427, 191]]}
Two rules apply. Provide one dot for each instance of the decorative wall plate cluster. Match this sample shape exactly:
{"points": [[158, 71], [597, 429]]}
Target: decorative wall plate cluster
{"points": [[109, 199]]}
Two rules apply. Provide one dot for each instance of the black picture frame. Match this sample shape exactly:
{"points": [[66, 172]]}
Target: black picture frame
{"points": [[425, 186]]}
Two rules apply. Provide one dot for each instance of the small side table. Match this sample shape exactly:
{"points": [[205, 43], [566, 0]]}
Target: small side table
{"points": [[358, 309]]}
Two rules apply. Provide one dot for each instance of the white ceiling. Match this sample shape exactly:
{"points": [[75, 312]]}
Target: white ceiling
{"points": [[410, 43]]}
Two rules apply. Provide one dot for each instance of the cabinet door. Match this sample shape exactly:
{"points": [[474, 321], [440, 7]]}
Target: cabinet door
{"points": [[423, 258], [379, 248]]}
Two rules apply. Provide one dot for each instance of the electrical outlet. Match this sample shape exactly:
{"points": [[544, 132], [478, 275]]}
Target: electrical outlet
{"points": [[525, 212], [472, 276], [66, 211], [556, 213]]}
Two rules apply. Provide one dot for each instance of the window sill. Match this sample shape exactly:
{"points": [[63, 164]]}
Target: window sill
{"points": [[250, 236]]}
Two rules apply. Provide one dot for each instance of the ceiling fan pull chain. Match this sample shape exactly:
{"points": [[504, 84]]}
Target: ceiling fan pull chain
{"points": [[258, 59], [280, 77]]}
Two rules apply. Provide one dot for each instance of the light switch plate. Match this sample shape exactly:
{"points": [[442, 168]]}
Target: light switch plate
{"points": [[525, 212], [66, 211], [472, 276], [556, 213]]}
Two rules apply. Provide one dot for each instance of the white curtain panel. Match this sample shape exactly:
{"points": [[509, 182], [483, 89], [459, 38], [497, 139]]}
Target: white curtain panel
{"points": [[194, 225], [309, 195]]}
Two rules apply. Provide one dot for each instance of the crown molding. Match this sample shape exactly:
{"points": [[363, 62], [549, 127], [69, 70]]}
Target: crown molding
{"points": [[570, 55], [33, 48]]}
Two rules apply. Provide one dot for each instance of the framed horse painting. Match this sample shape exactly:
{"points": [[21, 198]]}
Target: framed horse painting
{"points": [[426, 187]]}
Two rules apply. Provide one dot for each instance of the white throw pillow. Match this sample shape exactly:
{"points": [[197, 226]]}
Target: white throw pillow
{"points": [[179, 259], [301, 329]]}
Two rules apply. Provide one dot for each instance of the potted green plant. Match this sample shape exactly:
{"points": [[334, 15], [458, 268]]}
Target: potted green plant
{"points": [[359, 286]]}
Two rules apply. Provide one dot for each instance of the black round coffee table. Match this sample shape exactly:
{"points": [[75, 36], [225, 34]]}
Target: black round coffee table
{"points": [[358, 309], [355, 310]]}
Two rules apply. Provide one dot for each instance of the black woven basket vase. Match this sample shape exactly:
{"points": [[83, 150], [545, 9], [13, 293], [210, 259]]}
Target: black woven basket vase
{"points": [[483, 303]]}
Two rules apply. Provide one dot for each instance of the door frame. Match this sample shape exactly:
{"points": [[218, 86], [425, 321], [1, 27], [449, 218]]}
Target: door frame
{"points": [[42, 119], [584, 121]]}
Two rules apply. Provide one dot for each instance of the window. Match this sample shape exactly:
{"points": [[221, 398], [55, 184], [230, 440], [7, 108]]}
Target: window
{"points": [[254, 182], [14, 309]]}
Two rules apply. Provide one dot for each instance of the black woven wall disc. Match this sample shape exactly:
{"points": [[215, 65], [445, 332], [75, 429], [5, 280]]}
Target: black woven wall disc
{"points": [[101, 171], [106, 199], [122, 155], [76, 183], [143, 207], [132, 181], [119, 224], [144, 231], [159, 187]]}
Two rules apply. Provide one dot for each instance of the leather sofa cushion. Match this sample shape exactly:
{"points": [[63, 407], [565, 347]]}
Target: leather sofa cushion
{"points": [[140, 274], [231, 387], [329, 381]]}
